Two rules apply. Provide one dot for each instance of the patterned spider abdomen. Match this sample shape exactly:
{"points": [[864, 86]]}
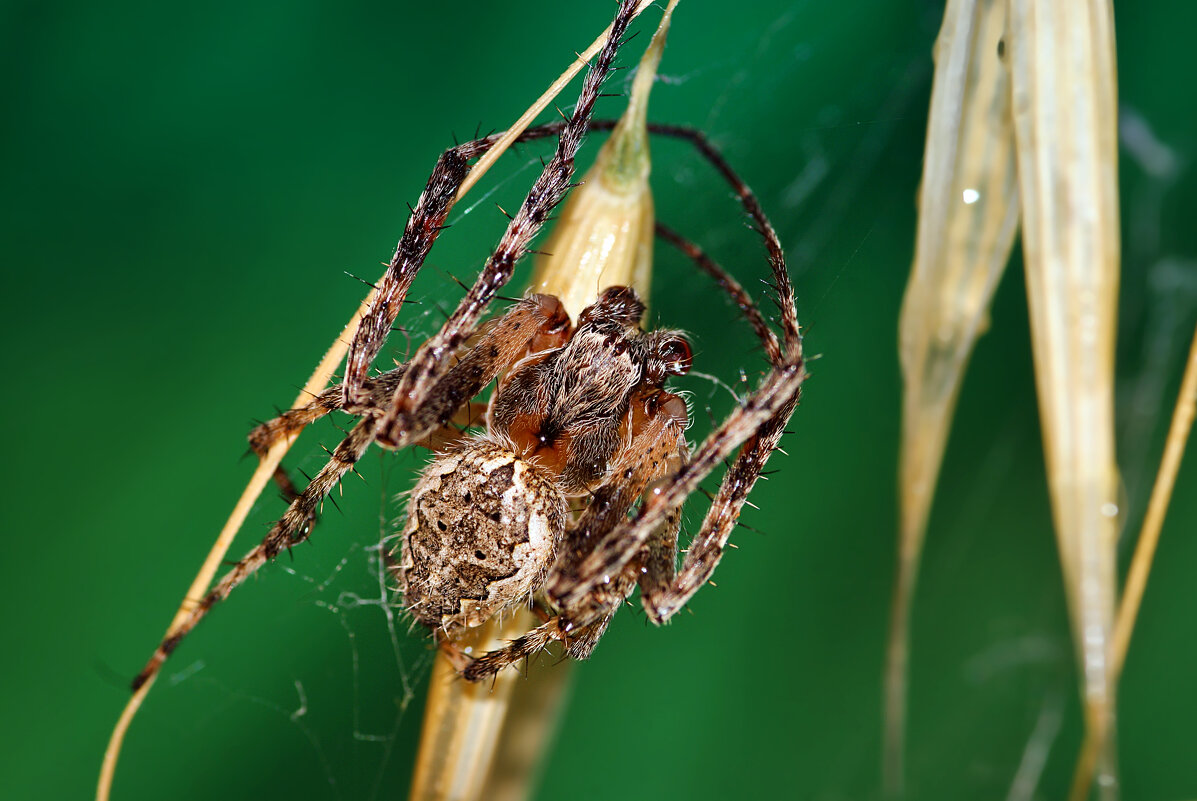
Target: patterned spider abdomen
{"points": [[481, 533]]}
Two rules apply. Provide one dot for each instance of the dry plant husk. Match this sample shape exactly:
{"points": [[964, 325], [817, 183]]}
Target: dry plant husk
{"points": [[1057, 62], [968, 212], [469, 748], [1065, 122]]}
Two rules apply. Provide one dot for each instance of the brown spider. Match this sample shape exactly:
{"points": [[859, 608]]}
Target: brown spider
{"points": [[581, 419]]}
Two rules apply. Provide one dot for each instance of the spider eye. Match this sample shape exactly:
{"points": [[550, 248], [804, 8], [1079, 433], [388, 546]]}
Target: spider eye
{"points": [[675, 353]]}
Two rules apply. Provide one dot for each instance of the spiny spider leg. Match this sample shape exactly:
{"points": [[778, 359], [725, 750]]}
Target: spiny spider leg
{"points": [[291, 529], [656, 445], [375, 393], [426, 368], [757, 424], [664, 591], [540, 320]]}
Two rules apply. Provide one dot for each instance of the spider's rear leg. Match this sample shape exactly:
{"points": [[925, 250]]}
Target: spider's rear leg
{"points": [[655, 566], [658, 421], [757, 424], [536, 322]]}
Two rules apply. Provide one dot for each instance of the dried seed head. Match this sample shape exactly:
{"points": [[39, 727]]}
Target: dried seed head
{"points": [[604, 236]]}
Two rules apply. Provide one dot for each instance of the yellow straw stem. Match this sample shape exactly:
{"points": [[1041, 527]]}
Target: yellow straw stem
{"points": [[1149, 538], [540, 104]]}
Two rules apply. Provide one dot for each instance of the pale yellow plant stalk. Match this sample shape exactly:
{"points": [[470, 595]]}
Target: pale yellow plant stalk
{"points": [[318, 381], [1145, 547], [1065, 123], [603, 237], [968, 212], [462, 719]]}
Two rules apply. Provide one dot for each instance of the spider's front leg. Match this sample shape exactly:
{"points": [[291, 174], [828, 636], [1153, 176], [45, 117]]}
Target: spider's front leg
{"points": [[427, 367]]}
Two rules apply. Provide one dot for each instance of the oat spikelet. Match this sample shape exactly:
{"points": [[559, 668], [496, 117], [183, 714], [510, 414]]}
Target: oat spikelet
{"points": [[1065, 123], [968, 211]]}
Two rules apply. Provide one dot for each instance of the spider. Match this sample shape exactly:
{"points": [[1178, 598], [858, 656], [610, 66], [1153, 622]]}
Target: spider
{"points": [[572, 495]]}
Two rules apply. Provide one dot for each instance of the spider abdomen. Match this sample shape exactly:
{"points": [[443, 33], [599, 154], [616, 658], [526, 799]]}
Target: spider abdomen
{"points": [[481, 532]]}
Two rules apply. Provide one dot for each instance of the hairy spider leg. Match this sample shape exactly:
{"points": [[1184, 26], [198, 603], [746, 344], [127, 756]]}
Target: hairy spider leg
{"points": [[427, 366], [655, 445], [539, 320], [428, 219]]}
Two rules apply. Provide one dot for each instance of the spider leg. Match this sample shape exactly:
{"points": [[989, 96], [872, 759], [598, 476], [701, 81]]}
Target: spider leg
{"points": [[527, 324], [656, 443], [291, 529], [376, 392], [427, 368], [522, 647], [663, 591], [757, 426], [425, 224], [657, 559]]}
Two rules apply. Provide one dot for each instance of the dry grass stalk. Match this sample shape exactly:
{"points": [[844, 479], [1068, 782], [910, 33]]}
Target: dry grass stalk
{"points": [[1145, 547], [1065, 121], [318, 381], [968, 212], [603, 237], [462, 720]]}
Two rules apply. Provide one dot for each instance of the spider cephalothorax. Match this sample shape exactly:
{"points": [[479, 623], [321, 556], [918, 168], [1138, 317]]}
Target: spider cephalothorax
{"points": [[487, 521]]}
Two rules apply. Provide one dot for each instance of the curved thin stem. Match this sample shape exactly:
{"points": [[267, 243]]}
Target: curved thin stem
{"points": [[1149, 539]]}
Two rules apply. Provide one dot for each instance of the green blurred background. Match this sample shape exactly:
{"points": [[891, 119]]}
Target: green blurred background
{"points": [[185, 187]]}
